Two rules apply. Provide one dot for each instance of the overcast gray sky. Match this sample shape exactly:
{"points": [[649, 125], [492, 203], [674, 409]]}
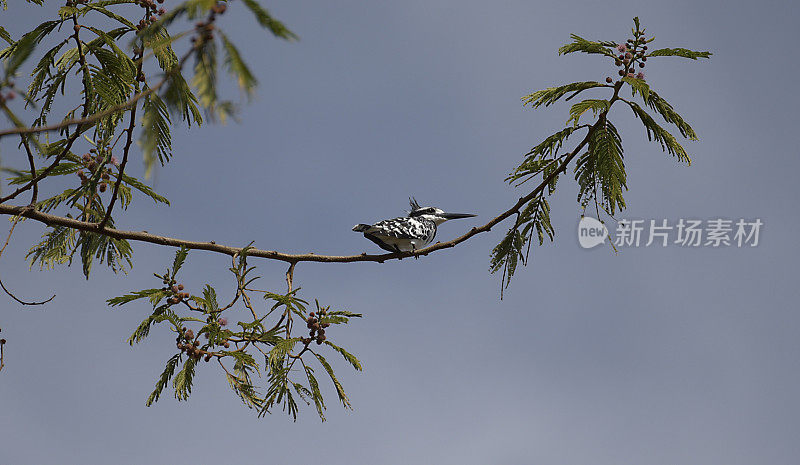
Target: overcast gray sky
{"points": [[651, 356]]}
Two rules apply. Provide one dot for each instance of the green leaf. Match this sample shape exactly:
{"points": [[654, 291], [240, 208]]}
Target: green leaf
{"points": [[210, 299], [339, 389], [679, 52], [54, 249], [166, 375], [661, 135], [245, 390], [669, 114], [205, 74], [237, 67], [277, 354], [602, 168], [156, 139], [316, 394], [638, 85], [265, 19], [160, 314], [351, 359], [21, 50], [183, 380], [578, 109], [121, 19], [515, 246], [579, 44], [5, 35], [550, 95], [136, 295], [180, 257]]}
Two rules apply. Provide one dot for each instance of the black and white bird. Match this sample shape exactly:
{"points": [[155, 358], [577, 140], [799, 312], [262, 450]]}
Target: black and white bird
{"points": [[408, 233]]}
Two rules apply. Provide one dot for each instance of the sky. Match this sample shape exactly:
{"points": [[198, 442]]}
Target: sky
{"points": [[650, 355]]}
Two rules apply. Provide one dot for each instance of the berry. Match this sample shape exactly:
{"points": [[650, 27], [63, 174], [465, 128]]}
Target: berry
{"points": [[226, 345], [311, 314], [103, 187], [622, 72], [77, 27], [208, 357], [175, 289], [222, 321], [609, 80], [190, 334], [180, 287], [2, 341], [641, 65]]}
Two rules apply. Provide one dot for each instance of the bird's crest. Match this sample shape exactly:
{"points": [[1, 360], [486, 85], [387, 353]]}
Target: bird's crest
{"points": [[414, 204]]}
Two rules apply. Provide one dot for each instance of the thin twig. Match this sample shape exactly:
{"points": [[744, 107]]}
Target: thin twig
{"points": [[27, 146], [3, 249], [22, 301]]}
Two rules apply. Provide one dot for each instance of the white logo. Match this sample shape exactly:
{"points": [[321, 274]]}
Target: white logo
{"points": [[591, 232]]}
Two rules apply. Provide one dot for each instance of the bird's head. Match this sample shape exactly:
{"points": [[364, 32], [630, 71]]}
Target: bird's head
{"points": [[437, 215]]}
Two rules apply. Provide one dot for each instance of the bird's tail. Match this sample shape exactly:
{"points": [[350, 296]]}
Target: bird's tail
{"points": [[361, 227]]}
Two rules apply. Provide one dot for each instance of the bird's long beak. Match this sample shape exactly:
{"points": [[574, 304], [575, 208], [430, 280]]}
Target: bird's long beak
{"points": [[455, 216]]}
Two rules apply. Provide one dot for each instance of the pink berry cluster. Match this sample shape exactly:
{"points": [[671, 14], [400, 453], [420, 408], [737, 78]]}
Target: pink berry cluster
{"points": [[150, 11], [7, 96], [189, 344], [205, 29], [177, 294], [316, 327], [96, 163], [631, 54]]}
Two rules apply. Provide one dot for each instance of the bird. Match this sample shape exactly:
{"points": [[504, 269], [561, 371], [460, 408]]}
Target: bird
{"points": [[408, 233]]}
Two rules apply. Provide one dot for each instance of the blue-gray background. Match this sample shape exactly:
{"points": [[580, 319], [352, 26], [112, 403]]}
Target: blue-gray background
{"points": [[651, 356]]}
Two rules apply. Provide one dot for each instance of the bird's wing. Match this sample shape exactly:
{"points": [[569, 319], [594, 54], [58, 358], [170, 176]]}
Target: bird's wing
{"points": [[398, 228]]}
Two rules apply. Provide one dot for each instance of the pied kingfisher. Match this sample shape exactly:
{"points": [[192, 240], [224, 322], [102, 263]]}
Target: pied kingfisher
{"points": [[408, 233]]}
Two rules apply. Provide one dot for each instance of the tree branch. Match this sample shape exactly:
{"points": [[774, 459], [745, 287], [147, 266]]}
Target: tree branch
{"points": [[212, 246]]}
